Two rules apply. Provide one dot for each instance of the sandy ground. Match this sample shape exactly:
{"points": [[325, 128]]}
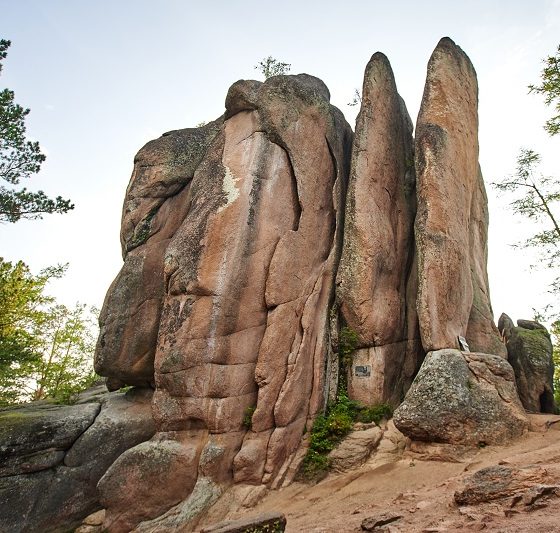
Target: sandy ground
{"points": [[421, 491]]}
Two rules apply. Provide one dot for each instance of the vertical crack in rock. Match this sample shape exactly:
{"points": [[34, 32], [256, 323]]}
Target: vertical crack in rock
{"points": [[295, 194]]}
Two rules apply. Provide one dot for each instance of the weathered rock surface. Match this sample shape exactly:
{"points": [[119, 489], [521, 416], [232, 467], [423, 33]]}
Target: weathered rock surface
{"points": [[244, 279], [376, 280], [452, 218], [53, 456], [232, 236], [462, 398], [497, 482], [437, 451], [157, 200], [92, 523], [390, 448], [355, 449], [35, 437], [373, 523], [530, 354]]}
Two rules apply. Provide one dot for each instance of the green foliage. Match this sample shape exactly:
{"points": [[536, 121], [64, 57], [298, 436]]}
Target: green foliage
{"points": [[550, 88], [45, 349], [536, 197], [22, 301], [19, 159], [248, 416], [272, 67], [374, 413], [347, 343], [329, 429]]}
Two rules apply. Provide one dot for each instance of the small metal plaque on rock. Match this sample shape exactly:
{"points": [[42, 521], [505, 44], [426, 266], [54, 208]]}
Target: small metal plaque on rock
{"points": [[362, 371]]}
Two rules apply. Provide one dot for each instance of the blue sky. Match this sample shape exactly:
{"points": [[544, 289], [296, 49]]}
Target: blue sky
{"points": [[102, 78]]}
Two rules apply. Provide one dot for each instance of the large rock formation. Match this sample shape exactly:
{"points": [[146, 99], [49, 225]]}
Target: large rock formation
{"points": [[232, 236], [452, 219], [462, 398], [406, 276], [52, 457], [376, 282], [232, 259], [530, 354]]}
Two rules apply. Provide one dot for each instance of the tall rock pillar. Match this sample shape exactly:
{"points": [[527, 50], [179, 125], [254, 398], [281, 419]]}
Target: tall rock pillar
{"points": [[452, 219], [376, 281]]}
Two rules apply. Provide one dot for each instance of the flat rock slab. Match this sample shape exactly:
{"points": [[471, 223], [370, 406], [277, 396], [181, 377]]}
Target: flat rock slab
{"points": [[33, 437], [52, 457], [269, 523], [500, 481], [374, 523]]}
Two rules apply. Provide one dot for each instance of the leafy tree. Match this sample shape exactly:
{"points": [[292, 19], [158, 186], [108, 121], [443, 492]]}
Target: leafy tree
{"points": [[536, 197], [67, 344], [19, 159], [272, 67], [22, 303], [45, 349], [550, 88]]}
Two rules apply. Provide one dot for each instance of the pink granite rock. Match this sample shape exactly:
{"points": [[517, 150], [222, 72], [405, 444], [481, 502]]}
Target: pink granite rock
{"points": [[376, 284], [452, 219], [240, 284]]}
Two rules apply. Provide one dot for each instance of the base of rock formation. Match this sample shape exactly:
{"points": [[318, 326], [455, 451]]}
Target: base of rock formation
{"points": [[423, 492]]}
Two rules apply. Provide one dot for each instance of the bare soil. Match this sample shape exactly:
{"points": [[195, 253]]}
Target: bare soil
{"points": [[421, 491]]}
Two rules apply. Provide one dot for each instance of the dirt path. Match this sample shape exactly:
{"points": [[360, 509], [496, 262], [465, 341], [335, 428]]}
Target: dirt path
{"points": [[421, 491]]}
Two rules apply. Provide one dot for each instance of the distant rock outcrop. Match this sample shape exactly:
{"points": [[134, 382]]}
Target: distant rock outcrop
{"points": [[462, 398], [530, 354]]}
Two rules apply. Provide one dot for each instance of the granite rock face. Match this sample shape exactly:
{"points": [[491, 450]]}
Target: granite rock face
{"points": [[52, 457], [452, 218], [156, 203], [462, 398], [355, 449], [233, 236], [530, 354], [244, 279], [376, 280]]}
